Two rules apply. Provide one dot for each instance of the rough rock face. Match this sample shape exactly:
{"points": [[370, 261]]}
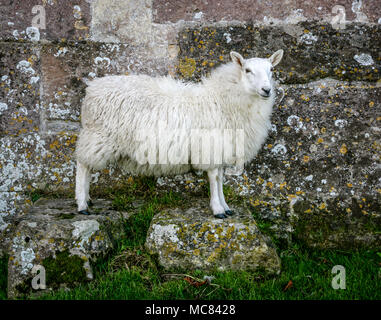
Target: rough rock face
{"points": [[193, 239], [64, 243], [311, 51]]}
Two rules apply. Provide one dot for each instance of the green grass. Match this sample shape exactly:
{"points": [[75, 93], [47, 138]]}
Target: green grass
{"points": [[309, 271], [130, 273], [3, 277]]}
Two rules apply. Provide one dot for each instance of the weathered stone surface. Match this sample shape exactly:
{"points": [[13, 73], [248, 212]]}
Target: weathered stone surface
{"points": [[311, 51], [54, 236], [132, 23], [263, 11], [68, 19], [193, 239], [19, 89], [324, 140], [329, 228]]}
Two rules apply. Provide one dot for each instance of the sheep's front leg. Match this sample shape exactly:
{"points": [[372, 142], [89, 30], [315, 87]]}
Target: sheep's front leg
{"points": [[82, 186], [220, 182], [215, 205]]}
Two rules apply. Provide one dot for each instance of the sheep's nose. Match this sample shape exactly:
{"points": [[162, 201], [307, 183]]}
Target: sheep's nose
{"points": [[266, 90]]}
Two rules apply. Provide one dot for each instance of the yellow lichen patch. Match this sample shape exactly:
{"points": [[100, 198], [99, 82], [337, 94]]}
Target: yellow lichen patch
{"points": [[211, 237], [291, 196], [78, 24], [371, 104], [343, 149], [320, 140], [282, 185], [229, 232], [322, 206], [59, 179], [255, 202], [196, 252], [187, 66], [204, 228], [306, 159], [219, 231], [349, 185], [54, 145], [260, 180]]}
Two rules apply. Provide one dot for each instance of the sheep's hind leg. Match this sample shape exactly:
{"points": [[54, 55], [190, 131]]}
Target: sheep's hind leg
{"points": [[82, 186], [220, 181], [217, 208]]}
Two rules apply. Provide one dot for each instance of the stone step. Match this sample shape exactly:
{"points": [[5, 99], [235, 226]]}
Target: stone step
{"points": [[54, 236], [193, 238]]}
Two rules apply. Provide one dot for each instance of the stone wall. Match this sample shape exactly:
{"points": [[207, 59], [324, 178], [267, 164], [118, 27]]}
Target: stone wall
{"points": [[323, 153]]}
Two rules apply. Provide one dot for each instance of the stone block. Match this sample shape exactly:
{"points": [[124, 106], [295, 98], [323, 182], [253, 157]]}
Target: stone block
{"points": [[132, 23], [324, 143], [321, 159], [192, 238], [53, 236], [21, 162], [311, 51], [19, 89], [23, 20]]}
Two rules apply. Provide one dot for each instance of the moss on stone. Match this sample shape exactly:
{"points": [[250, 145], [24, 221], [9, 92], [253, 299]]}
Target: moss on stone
{"points": [[336, 228], [64, 269]]}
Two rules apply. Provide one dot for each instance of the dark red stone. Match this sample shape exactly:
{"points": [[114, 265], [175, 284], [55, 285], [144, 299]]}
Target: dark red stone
{"points": [[62, 20], [256, 10]]}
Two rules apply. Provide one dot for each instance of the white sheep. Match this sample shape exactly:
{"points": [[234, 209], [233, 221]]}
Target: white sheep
{"points": [[122, 118]]}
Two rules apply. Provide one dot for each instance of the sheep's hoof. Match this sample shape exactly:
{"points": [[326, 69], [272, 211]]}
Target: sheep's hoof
{"points": [[229, 212], [90, 203], [221, 216], [85, 212]]}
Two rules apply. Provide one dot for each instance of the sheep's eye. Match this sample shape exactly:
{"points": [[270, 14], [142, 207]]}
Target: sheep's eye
{"points": [[272, 69], [247, 70]]}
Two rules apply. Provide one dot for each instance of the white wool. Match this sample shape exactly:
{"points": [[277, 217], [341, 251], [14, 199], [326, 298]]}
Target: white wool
{"points": [[117, 108]]}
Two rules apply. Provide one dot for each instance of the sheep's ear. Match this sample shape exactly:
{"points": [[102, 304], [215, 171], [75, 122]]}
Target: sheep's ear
{"points": [[276, 57], [237, 58]]}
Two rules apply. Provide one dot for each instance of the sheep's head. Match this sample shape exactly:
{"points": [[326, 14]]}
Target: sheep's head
{"points": [[256, 73]]}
